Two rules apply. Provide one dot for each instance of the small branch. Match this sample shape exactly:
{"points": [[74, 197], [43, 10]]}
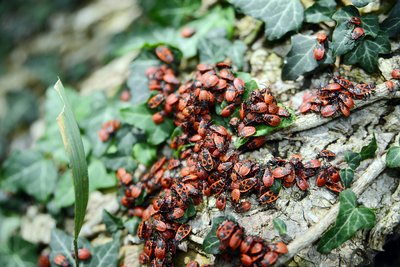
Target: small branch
{"points": [[315, 232], [309, 121]]}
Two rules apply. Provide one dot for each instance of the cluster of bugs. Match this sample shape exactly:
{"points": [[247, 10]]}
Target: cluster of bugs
{"points": [[208, 163], [163, 81], [336, 97], [260, 108], [321, 46], [254, 251], [108, 129], [393, 86], [61, 260]]}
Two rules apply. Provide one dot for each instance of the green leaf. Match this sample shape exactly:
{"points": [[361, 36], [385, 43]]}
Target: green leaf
{"points": [[216, 49], [132, 224], [173, 12], [320, 11], [113, 224], [345, 13], [279, 226], [74, 147], [217, 19], [141, 117], [142, 197], [31, 172], [280, 16], [98, 176], [370, 24], [18, 253], [342, 42], [369, 150], [350, 219], [300, 59], [137, 81], [361, 3], [106, 255], [8, 226], [276, 186], [189, 212], [393, 157], [391, 25], [64, 194], [347, 176], [211, 241], [353, 159], [145, 153], [264, 129], [367, 53], [115, 161], [249, 87], [62, 243]]}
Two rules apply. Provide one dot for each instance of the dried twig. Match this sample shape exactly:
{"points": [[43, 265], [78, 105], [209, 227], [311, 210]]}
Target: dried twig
{"points": [[314, 233], [309, 121]]}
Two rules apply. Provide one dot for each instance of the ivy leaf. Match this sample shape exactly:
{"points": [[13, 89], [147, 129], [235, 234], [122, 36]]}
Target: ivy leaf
{"points": [[345, 13], [264, 129], [236, 53], [361, 3], [280, 16], [18, 252], [369, 150], [142, 197], [115, 161], [113, 223], [347, 176], [141, 117], [8, 226], [300, 59], [391, 25], [132, 224], [393, 157], [211, 241], [64, 194], [173, 12], [342, 42], [137, 82], [353, 159], [367, 53], [320, 11], [280, 226], [31, 172], [98, 176], [350, 219], [61, 243], [189, 212], [145, 153], [249, 87], [106, 255], [276, 186]]}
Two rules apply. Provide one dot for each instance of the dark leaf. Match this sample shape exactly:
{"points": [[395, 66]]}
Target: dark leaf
{"points": [[115, 161], [367, 53], [64, 195], [369, 150], [320, 11], [393, 157], [300, 59], [280, 16], [353, 159], [189, 212], [279, 226], [350, 219], [113, 223], [391, 25], [347, 176], [139, 201], [276, 187]]}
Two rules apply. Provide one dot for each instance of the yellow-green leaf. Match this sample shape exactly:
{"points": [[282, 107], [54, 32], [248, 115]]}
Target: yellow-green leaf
{"points": [[74, 147]]}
